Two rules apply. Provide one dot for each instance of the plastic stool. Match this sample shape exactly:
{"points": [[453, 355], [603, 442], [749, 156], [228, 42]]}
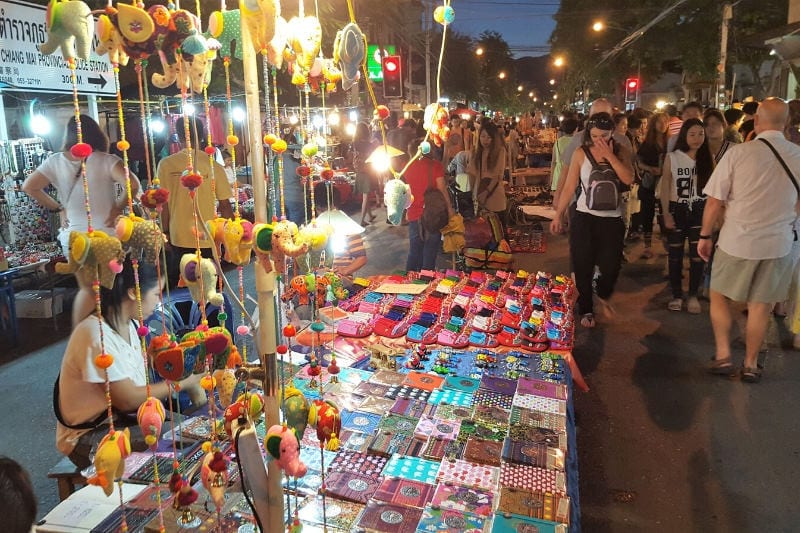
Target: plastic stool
{"points": [[8, 308], [181, 314]]}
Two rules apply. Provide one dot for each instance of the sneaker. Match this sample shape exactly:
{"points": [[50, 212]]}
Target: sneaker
{"points": [[676, 304], [693, 306]]}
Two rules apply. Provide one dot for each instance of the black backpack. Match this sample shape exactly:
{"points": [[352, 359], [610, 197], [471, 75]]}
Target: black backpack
{"points": [[603, 191], [434, 210]]}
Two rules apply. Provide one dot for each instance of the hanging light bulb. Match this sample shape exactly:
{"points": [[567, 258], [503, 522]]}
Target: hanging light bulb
{"points": [[238, 114], [293, 119], [188, 109], [334, 118]]}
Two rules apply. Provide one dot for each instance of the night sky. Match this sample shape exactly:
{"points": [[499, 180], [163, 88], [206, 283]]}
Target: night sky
{"points": [[523, 24]]}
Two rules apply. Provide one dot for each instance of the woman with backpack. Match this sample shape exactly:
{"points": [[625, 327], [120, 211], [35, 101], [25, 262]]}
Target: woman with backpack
{"points": [[422, 175], [598, 170], [686, 172]]}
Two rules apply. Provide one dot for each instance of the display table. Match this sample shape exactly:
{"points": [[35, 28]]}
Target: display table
{"points": [[433, 438]]}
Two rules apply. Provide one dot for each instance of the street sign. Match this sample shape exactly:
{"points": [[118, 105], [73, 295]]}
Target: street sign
{"points": [[24, 68], [375, 60]]}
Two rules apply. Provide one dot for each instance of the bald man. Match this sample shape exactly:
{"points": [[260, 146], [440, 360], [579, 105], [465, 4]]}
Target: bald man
{"points": [[753, 261], [601, 105]]}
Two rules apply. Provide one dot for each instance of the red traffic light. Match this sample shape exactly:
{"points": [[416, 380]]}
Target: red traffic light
{"points": [[390, 64], [631, 89], [392, 77]]}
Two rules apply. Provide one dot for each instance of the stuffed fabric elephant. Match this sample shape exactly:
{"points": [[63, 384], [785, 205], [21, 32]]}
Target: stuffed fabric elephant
{"points": [[260, 17], [150, 417], [70, 27], [110, 41], [142, 238], [305, 40], [109, 461], [282, 444], [214, 476], [277, 45], [225, 28], [93, 255], [397, 195], [238, 239], [201, 278], [286, 241]]}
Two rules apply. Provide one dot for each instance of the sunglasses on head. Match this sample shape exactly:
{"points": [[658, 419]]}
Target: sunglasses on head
{"points": [[602, 124]]}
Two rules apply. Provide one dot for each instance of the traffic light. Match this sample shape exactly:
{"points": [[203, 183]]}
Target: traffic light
{"points": [[392, 77], [632, 89]]}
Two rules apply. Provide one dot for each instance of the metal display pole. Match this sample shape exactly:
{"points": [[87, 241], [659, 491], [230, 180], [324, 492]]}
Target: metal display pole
{"points": [[265, 282]]}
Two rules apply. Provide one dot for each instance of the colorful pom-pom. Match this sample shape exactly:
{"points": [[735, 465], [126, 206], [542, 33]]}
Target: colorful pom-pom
{"points": [[270, 139], [208, 383], [115, 266], [154, 198], [81, 150], [303, 171], [326, 174], [222, 316], [123, 145], [279, 146], [444, 15], [206, 447], [317, 326], [289, 330], [383, 112], [142, 331], [310, 150], [210, 150], [191, 180], [425, 147], [232, 140], [104, 360], [242, 330], [282, 349]]}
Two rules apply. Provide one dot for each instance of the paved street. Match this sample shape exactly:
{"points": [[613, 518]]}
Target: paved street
{"points": [[663, 446]]}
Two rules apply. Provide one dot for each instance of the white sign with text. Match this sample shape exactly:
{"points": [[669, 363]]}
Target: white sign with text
{"points": [[24, 68]]}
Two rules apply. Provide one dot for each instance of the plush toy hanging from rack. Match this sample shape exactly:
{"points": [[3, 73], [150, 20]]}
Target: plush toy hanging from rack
{"points": [[94, 256]]}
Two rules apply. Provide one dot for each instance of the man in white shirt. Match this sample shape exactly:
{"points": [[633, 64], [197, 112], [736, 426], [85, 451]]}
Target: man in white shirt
{"points": [[753, 261]]}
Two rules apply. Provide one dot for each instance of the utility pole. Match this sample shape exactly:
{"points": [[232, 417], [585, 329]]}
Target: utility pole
{"points": [[727, 15], [427, 21]]}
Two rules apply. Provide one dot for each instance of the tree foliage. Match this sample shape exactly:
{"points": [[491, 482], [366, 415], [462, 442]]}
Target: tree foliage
{"points": [[686, 40]]}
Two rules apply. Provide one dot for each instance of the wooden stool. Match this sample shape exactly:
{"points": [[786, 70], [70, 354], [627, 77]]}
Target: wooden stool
{"points": [[68, 476]]}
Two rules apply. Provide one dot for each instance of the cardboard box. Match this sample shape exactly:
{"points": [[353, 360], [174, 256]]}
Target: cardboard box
{"points": [[39, 304]]}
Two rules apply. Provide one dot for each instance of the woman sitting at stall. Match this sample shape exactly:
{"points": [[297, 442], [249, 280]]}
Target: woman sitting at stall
{"points": [[79, 395], [596, 228], [108, 197]]}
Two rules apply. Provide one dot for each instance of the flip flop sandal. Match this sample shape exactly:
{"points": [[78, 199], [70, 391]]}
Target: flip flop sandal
{"points": [[722, 367], [452, 339], [751, 374], [486, 324], [509, 338], [536, 347], [482, 340]]}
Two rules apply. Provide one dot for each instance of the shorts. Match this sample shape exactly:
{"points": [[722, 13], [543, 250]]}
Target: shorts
{"points": [[752, 280]]}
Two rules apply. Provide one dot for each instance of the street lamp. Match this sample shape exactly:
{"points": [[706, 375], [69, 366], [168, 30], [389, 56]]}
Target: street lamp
{"points": [[530, 94], [552, 81], [479, 51], [519, 88], [598, 26], [502, 75], [558, 62]]}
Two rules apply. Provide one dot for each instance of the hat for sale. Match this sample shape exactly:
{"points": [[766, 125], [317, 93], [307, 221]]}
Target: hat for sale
{"points": [[349, 51]]}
